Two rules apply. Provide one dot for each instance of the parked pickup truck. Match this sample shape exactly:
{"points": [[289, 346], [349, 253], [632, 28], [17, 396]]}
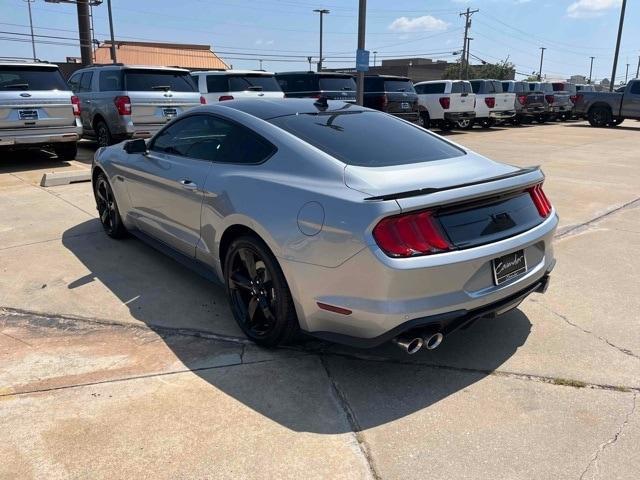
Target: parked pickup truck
{"points": [[609, 109], [529, 105], [446, 102], [492, 104], [558, 101]]}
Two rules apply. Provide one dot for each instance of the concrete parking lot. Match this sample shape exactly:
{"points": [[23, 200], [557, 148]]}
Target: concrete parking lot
{"points": [[117, 362]]}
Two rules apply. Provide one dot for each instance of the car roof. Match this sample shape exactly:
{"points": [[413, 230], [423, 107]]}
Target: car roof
{"points": [[440, 81], [389, 77], [280, 107], [137, 67], [29, 64], [322, 74], [232, 72]]}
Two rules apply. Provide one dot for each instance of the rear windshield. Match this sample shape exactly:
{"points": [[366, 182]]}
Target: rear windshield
{"points": [[367, 139], [31, 78], [461, 87], [398, 86], [144, 80], [559, 87], [258, 83], [338, 84]]}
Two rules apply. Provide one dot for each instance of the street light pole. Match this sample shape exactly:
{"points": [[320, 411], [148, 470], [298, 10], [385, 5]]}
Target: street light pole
{"points": [[33, 41], [626, 75], [322, 12], [542, 49], [638, 69], [374, 57], [362, 25], [591, 69], [113, 42], [615, 58]]}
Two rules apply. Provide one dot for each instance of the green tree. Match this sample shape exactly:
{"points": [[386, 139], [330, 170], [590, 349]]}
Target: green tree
{"points": [[499, 71]]}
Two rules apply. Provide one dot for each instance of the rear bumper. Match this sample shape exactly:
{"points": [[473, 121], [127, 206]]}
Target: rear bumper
{"points": [[389, 295], [502, 115], [41, 136], [456, 116], [561, 109], [143, 131], [533, 111], [412, 117]]}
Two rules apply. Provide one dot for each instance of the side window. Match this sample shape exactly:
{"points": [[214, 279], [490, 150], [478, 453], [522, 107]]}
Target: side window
{"points": [[205, 137], [635, 88], [217, 83], [85, 82], [74, 81], [110, 81]]}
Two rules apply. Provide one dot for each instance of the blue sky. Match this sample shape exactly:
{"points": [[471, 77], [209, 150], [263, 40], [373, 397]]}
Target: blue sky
{"points": [[284, 32]]}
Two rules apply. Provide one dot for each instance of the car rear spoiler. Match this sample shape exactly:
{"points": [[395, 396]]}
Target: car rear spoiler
{"points": [[427, 191]]}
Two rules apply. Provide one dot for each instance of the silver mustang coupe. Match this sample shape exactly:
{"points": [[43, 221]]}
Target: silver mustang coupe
{"points": [[346, 223]]}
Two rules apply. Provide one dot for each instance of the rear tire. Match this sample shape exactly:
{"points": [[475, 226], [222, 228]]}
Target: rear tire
{"points": [[258, 293], [541, 119], [423, 120], [487, 123], [107, 206], [599, 117], [466, 123], [103, 134], [66, 151]]}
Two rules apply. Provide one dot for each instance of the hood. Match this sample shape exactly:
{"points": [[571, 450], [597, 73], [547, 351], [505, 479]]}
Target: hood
{"points": [[450, 172]]}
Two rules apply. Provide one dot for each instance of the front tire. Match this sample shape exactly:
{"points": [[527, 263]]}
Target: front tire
{"points": [[260, 298], [108, 208], [66, 151], [423, 120], [599, 117]]}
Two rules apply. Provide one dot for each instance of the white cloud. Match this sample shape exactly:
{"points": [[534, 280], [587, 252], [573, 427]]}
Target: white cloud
{"points": [[426, 23], [590, 8]]}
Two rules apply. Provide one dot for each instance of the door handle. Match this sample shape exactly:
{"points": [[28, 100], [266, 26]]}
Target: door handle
{"points": [[188, 184]]}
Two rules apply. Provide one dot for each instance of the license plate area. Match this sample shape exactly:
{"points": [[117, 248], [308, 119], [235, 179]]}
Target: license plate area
{"points": [[405, 105], [28, 114], [169, 112], [509, 266]]}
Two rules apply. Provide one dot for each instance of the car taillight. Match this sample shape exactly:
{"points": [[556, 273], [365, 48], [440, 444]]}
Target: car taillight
{"points": [[550, 98], [522, 99], [203, 101], [123, 105], [383, 102], [445, 102], [490, 101], [409, 235], [579, 98], [75, 105], [574, 98], [540, 200], [225, 97]]}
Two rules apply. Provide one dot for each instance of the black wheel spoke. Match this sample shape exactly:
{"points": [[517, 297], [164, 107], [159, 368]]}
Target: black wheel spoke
{"points": [[238, 280], [100, 194], [249, 261], [104, 215], [252, 308]]}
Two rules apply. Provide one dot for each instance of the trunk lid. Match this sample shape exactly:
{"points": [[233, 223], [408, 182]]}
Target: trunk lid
{"points": [[461, 102], [504, 101]]}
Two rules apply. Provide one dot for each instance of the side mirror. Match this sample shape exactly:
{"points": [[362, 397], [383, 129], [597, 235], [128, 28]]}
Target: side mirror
{"points": [[136, 146]]}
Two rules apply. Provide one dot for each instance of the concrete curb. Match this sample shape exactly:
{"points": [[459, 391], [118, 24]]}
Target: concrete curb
{"points": [[54, 179]]}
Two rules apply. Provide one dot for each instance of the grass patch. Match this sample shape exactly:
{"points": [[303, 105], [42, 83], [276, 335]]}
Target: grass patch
{"points": [[568, 382]]}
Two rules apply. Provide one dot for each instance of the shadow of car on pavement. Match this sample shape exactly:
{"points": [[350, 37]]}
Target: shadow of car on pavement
{"points": [[380, 385]]}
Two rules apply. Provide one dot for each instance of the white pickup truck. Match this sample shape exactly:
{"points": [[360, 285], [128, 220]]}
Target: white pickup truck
{"points": [[492, 104], [446, 103]]}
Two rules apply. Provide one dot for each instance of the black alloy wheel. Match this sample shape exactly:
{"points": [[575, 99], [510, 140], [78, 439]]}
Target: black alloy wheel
{"points": [[103, 135], [108, 208], [260, 298], [599, 116]]}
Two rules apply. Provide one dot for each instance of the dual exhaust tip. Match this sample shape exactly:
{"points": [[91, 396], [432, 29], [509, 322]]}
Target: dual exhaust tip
{"points": [[412, 343]]}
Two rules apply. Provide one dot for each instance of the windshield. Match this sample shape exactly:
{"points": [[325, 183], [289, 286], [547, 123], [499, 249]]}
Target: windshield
{"points": [[367, 139], [338, 84], [144, 80], [31, 78], [398, 86], [261, 83]]}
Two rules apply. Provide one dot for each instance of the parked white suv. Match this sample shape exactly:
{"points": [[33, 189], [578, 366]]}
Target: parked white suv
{"points": [[446, 102], [38, 109], [492, 104], [216, 86]]}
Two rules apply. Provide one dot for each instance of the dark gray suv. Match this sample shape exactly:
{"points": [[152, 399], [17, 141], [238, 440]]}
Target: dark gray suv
{"points": [[126, 101]]}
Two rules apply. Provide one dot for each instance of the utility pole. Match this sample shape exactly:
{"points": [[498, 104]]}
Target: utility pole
{"points": [[626, 75], [638, 69], [113, 41], [591, 69], [84, 31], [309, 60], [466, 64], [362, 25], [374, 57], [322, 12], [467, 26], [615, 58], [260, 60], [542, 49], [33, 41]]}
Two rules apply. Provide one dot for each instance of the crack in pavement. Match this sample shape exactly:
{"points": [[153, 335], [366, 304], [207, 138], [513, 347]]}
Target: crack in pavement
{"points": [[596, 456], [354, 425], [575, 229], [626, 351]]}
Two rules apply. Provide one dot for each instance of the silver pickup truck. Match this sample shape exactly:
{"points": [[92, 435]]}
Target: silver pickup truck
{"points": [[609, 109], [37, 109], [558, 100]]}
